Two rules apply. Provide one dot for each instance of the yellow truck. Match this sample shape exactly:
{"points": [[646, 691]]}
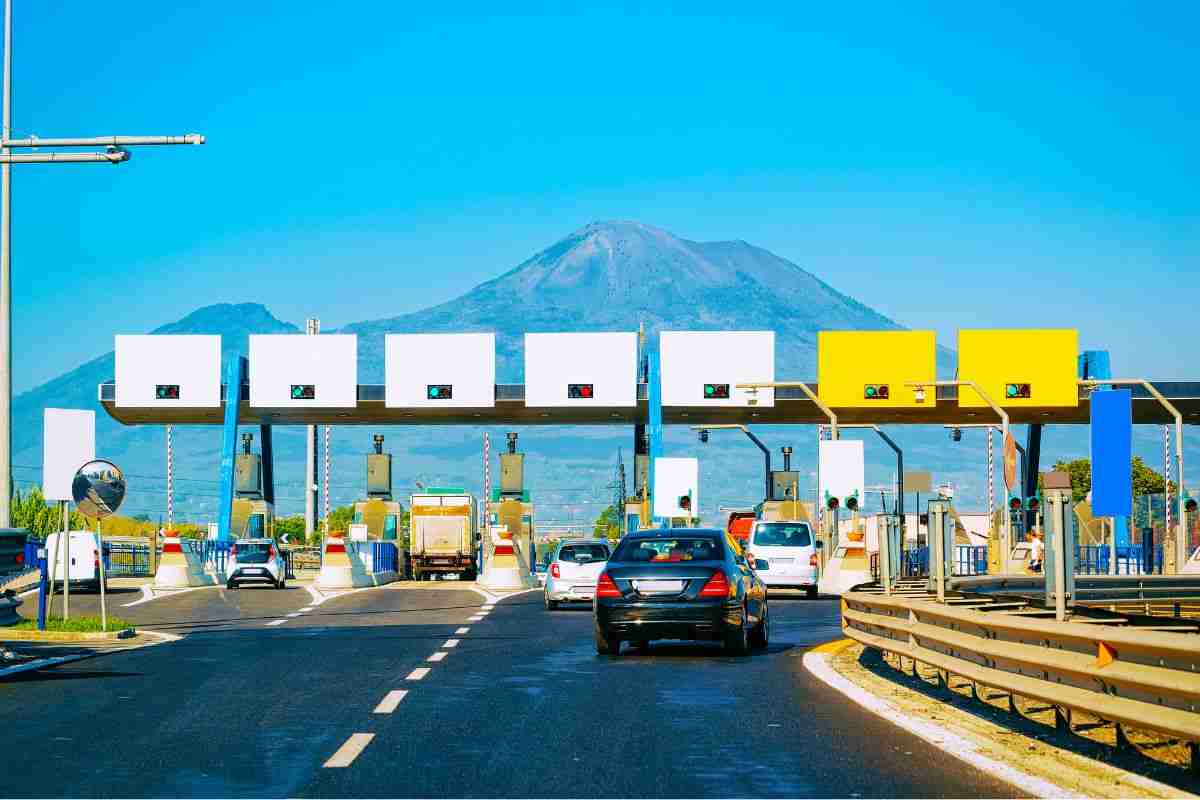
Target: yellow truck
{"points": [[443, 533]]}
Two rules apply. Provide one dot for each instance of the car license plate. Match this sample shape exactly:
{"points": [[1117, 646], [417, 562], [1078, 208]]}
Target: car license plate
{"points": [[782, 560], [658, 587], [254, 571]]}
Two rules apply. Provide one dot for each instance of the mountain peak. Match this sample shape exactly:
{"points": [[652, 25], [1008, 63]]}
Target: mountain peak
{"points": [[228, 318]]}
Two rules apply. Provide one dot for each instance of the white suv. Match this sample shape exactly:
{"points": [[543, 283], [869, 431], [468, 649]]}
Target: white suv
{"points": [[789, 549], [256, 561], [574, 569]]}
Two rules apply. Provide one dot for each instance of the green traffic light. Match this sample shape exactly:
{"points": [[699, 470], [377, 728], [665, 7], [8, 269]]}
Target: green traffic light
{"points": [[433, 392], [870, 391], [709, 389], [1011, 390]]}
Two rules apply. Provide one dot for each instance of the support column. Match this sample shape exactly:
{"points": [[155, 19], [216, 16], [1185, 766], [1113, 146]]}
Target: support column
{"points": [[268, 464], [235, 376]]}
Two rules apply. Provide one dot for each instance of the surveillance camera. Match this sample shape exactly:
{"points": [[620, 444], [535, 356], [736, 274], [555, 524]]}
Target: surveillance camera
{"points": [[704, 436], [956, 434], [919, 394]]}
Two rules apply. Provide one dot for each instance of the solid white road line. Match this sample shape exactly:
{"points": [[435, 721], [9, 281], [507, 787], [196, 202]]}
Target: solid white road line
{"points": [[418, 673], [450, 643], [461, 631], [349, 751], [438, 656], [277, 621], [389, 702], [293, 614], [306, 609]]}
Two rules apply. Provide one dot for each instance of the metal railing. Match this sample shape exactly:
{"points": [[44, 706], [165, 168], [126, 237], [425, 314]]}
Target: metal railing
{"points": [[1138, 677], [126, 560]]}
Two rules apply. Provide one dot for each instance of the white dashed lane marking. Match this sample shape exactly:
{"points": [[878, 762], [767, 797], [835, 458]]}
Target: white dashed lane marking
{"points": [[277, 621], [474, 619], [389, 702], [418, 673], [349, 751], [293, 614], [450, 643], [438, 656], [459, 632]]}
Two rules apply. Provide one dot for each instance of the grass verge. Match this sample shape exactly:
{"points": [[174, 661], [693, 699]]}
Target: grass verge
{"points": [[82, 624]]}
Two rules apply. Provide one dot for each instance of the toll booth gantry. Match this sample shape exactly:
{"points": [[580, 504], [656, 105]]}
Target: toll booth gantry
{"points": [[694, 378]]}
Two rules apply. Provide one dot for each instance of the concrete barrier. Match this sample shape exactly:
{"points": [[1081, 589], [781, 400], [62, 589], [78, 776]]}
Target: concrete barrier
{"points": [[505, 569], [341, 567], [180, 568]]}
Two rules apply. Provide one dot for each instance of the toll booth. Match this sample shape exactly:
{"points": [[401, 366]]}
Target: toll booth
{"points": [[379, 516], [253, 515], [510, 510]]}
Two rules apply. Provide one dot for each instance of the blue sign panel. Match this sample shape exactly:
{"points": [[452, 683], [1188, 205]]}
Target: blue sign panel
{"points": [[1112, 445]]}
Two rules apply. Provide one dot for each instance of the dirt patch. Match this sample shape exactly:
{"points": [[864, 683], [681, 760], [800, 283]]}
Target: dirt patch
{"points": [[1084, 761]]}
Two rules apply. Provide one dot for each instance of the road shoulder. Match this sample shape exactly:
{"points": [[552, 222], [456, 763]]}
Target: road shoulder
{"points": [[1012, 749]]}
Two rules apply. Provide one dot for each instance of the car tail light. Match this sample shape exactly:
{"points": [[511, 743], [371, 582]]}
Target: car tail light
{"points": [[96, 559], [20, 558], [605, 586], [270, 551], [813, 560], [233, 551], [555, 572], [717, 586]]}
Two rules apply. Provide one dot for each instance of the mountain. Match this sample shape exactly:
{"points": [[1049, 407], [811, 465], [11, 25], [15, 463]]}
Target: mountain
{"points": [[605, 276], [617, 275]]}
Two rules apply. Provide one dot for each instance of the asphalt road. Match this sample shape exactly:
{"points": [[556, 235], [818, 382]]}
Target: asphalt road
{"points": [[245, 705]]}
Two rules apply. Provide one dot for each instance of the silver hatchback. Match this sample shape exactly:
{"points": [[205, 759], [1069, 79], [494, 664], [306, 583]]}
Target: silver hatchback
{"points": [[574, 569]]}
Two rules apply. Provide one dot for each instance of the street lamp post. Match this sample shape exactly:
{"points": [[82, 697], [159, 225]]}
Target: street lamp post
{"points": [[1006, 533], [114, 153], [704, 429]]}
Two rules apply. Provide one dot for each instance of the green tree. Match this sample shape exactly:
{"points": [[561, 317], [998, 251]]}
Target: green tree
{"points": [[608, 524], [34, 514], [292, 526], [1145, 479]]}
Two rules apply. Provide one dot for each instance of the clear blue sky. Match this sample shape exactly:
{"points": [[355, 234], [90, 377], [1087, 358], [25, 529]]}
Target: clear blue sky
{"points": [[948, 165]]}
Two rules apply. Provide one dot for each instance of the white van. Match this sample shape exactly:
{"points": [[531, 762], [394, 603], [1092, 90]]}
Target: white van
{"points": [[83, 560], [790, 550]]}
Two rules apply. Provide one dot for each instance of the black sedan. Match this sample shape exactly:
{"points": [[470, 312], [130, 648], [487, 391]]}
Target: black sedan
{"points": [[680, 583]]}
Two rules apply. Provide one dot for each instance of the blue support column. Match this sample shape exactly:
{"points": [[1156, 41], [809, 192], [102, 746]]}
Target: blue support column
{"points": [[654, 427], [235, 376], [268, 464]]}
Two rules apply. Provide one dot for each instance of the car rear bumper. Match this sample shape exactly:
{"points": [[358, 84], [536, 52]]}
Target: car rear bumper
{"points": [[240, 575], [566, 591], [788, 581], [684, 620]]}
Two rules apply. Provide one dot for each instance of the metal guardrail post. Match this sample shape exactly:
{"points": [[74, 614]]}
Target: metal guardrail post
{"points": [[941, 537]]}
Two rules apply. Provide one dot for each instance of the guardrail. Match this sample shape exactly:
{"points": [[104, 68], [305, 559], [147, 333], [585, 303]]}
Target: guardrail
{"points": [[1134, 676]]}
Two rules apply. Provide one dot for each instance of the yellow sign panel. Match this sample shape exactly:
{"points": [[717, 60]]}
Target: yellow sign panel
{"points": [[1019, 368], [869, 369]]}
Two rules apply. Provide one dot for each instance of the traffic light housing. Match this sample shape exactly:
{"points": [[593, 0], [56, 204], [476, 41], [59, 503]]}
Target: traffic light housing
{"points": [[1033, 504], [1014, 504], [439, 391], [685, 502], [832, 503], [580, 391], [304, 391], [1017, 391], [1189, 505], [876, 391], [716, 391], [852, 503], [166, 391]]}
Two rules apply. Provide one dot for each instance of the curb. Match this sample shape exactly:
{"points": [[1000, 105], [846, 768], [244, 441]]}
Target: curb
{"points": [[42, 663], [65, 636]]}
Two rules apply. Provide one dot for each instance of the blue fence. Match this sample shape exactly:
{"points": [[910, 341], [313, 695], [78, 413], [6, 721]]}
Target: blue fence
{"points": [[1132, 560], [385, 557], [126, 560]]}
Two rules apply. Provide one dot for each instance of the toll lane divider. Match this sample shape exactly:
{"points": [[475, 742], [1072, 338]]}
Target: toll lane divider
{"points": [[1141, 679]]}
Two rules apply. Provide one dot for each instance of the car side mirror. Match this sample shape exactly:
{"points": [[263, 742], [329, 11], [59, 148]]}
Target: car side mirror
{"points": [[761, 563]]}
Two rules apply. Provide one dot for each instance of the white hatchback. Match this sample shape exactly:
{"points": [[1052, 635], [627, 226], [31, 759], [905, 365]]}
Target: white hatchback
{"points": [[789, 550], [574, 570], [256, 561]]}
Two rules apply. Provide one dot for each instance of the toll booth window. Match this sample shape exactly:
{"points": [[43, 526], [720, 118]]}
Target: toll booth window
{"points": [[775, 534], [389, 526], [256, 526]]}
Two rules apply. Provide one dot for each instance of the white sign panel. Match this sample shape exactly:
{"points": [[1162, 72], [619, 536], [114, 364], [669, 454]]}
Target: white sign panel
{"points": [[675, 479], [168, 371], [440, 370], [298, 371], [581, 369], [68, 442], [840, 466], [702, 368]]}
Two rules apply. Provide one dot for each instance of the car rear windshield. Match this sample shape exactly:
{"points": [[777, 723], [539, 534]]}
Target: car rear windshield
{"points": [[783, 534], [253, 552], [689, 548], [583, 553]]}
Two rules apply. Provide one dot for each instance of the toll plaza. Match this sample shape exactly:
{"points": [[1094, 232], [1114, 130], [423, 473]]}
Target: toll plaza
{"points": [[703, 379]]}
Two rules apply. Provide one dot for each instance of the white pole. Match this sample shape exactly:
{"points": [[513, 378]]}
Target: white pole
{"points": [[6, 288], [312, 326], [991, 478], [66, 574], [328, 429], [103, 601], [170, 478]]}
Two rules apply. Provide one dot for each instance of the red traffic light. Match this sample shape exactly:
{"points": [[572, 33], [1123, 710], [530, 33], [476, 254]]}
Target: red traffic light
{"points": [[832, 503], [1014, 503], [579, 391], [685, 502]]}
